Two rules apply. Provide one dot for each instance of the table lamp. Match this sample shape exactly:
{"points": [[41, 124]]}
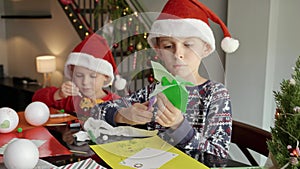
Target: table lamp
{"points": [[46, 65]]}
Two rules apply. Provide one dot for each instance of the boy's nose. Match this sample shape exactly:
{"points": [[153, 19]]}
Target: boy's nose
{"points": [[179, 53], [85, 80]]}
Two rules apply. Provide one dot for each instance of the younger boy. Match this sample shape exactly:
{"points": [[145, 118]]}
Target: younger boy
{"points": [[89, 68]]}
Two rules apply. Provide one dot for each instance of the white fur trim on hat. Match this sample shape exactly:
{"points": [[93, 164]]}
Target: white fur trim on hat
{"points": [[90, 62], [229, 44], [120, 83], [181, 28]]}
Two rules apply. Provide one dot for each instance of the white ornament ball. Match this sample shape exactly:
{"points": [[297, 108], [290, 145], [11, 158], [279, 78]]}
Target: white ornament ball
{"points": [[37, 113], [9, 119], [105, 137], [21, 153]]}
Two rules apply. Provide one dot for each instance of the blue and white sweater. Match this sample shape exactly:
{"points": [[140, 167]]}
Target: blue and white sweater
{"points": [[208, 119]]}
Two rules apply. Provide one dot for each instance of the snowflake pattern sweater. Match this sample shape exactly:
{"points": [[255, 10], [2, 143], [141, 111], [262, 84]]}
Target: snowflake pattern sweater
{"points": [[208, 119]]}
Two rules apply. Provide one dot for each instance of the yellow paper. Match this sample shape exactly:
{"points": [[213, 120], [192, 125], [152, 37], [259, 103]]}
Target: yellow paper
{"points": [[114, 153]]}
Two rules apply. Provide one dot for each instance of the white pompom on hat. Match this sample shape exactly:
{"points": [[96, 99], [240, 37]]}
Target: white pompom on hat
{"points": [[94, 54], [189, 18]]}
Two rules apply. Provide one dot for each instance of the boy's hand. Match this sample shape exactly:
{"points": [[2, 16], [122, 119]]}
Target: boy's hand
{"points": [[167, 114], [135, 114], [67, 136], [68, 88]]}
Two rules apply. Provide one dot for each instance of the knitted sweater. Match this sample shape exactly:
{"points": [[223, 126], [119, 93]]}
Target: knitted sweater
{"points": [[207, 121]]}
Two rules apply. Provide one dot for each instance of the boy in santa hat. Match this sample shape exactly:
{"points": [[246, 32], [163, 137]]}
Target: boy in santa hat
{"points": [[182, 37], [89, 68]]}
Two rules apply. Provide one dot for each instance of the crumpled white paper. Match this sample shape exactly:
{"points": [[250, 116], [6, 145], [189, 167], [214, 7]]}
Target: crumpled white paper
{"points": [[81, 136], [101, 127]]}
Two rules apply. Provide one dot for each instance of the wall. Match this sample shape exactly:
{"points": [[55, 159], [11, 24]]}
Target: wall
{"points": [[246, 68], [28, 38], [3, 53], [267, 54], [288, 40], [269, 38], [152, 6]]}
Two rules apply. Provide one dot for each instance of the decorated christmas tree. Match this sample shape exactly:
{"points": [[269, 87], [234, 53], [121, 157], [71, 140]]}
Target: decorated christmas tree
{"points": [[284, 145], [126, 29], [125, 26]]}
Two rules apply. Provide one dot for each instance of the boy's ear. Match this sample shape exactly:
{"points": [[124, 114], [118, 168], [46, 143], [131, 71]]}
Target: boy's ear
{"points": [[106, 78], [207, 49]]}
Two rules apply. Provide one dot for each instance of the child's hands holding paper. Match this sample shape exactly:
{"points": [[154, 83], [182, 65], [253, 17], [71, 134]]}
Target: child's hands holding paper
{"points": [[138, 113], [167, 114]]}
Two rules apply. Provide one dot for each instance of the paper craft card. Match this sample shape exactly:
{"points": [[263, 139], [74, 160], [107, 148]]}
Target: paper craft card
{"points": [[114, 153], [148, 158]]}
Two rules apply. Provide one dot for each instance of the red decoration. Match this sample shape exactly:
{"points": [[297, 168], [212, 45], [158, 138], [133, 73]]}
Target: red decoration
{"points": [[130, 48], [151, 78], [116, 45], [77, 10], [66, 2]]}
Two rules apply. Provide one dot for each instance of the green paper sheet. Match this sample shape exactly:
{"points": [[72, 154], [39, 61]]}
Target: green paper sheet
{"points": [[172, 87]]}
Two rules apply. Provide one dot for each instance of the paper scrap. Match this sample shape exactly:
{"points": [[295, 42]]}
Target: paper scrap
{"points": [[149, 158]]}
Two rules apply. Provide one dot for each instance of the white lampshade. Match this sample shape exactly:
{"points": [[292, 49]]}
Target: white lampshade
{"points": [[45, 64]]}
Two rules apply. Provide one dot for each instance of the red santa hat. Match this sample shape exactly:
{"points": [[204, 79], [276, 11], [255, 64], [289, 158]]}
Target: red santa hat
{"points": [[189, 18], [94, 53]]}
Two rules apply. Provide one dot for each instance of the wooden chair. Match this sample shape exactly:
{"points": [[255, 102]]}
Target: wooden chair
{"points": [[250, 137]]}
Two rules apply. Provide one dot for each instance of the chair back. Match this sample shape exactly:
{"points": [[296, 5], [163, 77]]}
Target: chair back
{"points": [[247, 137]]}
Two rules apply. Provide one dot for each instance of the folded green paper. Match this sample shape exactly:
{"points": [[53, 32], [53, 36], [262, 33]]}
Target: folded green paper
{"points": [[173, 87]]}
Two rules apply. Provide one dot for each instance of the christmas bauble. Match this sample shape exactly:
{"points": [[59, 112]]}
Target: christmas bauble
{"points": [[37, 113], [115, 45], [151, 78], [139, 46], [9, 119], [66, 2], [21, 153], [130, 48]]}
